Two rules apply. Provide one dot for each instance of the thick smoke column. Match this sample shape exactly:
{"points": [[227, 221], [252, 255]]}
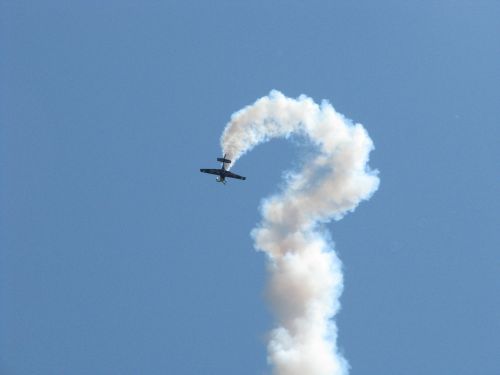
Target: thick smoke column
{"points": [[305, 273]]}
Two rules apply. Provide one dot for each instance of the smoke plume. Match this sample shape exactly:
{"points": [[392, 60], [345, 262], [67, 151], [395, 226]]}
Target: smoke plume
{"points": [[305, 274]]}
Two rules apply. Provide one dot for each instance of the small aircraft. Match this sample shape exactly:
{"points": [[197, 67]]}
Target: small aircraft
{"points": [[223, 172]]}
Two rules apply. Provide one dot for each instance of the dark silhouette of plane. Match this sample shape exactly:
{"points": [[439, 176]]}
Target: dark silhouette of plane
{"points": [[223, 173]]}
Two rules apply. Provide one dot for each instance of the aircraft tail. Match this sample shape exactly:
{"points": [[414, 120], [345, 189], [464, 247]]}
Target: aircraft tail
{"points": [[223, 160]]}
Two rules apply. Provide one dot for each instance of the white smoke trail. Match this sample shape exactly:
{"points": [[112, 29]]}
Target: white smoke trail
{"points": [[305, 273]]}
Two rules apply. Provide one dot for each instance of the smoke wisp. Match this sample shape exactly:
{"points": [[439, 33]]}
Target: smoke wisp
{"points": [[305, 274]]}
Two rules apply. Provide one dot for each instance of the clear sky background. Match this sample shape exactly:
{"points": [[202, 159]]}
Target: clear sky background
{"points": [[118, 257]]}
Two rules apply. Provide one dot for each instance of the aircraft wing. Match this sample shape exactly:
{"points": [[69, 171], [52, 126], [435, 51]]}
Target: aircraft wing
{"points": [[234, 175], [211, 171]]}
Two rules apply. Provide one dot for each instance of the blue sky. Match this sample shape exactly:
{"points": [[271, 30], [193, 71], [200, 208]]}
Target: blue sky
{"points": [[118, 257]]}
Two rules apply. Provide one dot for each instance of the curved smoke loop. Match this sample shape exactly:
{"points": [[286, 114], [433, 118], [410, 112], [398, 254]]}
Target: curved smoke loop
{"points": [[305, 273]]}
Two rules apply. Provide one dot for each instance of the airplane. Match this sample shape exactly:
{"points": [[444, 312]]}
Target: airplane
{"points": [[223, 173]]}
